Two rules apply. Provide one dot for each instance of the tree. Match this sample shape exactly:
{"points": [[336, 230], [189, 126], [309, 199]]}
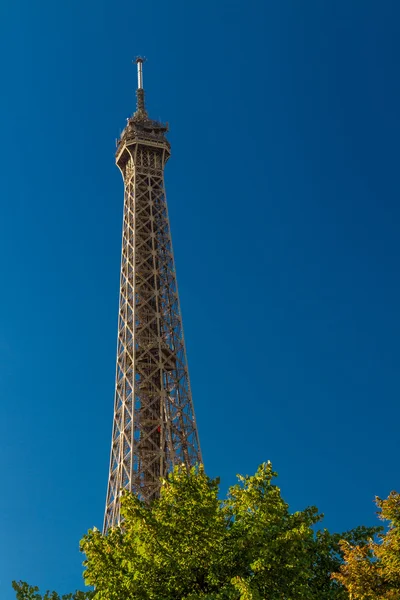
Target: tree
{"points": [[190, 545], [24, 591], [372, 571]]}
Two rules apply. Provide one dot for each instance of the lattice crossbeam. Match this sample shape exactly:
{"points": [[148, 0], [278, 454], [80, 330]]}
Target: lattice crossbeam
{"points": [[154, 424]]}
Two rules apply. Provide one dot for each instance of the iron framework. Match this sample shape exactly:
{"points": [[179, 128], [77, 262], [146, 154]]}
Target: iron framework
{"points": [[154, 425]]}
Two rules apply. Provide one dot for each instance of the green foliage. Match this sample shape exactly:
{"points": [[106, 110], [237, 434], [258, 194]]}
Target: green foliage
{"points": [[190, 545], [25, 591]]}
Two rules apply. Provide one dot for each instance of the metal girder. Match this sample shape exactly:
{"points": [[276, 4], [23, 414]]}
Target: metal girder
{"points": [[154, 425]]}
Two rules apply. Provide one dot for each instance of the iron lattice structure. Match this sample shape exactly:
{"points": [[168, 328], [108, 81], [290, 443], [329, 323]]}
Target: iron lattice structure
{"points": [[154, 426]]}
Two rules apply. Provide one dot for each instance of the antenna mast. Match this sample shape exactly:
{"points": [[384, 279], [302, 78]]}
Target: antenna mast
{"points": [[140, 113]]}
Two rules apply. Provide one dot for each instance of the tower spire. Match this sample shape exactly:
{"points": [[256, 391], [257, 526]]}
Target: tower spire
{"points": [[154, 426], [140, 113]]}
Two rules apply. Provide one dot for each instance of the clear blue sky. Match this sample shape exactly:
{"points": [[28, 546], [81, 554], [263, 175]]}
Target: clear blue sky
{"points": [[283, 190]]}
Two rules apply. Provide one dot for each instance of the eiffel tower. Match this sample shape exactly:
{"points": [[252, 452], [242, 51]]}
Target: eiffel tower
{"points": [[154, 426]]}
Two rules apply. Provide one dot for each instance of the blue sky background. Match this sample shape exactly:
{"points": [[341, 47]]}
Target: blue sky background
{"points": [[283, 191]]}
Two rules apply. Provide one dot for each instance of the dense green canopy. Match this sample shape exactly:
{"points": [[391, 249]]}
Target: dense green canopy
{"points": [[190, 545]]}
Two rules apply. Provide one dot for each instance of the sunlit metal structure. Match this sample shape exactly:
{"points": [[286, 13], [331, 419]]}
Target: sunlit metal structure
{"points": [[154, 425]]}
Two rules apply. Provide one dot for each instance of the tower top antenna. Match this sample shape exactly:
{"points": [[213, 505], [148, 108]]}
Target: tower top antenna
{"points": [[139, 61], [140, 113]]}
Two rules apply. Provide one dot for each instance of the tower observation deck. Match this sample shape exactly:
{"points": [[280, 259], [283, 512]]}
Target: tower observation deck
{"points": [[154, 425]]}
